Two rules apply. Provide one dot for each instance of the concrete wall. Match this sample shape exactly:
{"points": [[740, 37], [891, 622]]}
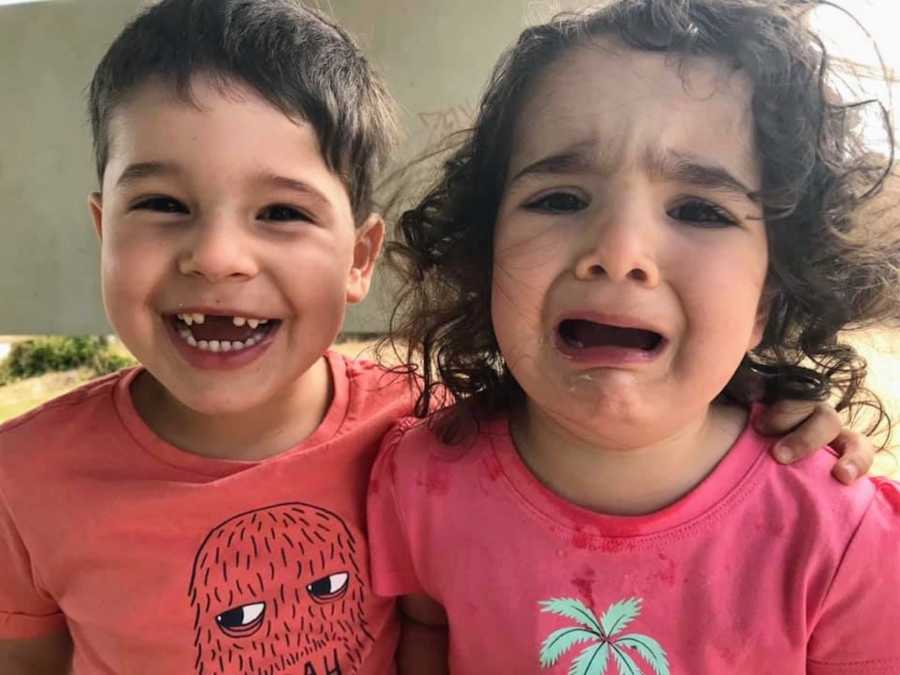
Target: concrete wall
{"points": [[435, 54]]}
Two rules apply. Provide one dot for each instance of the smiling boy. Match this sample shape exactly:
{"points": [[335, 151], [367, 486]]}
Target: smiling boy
{"points": [[204, 513]]}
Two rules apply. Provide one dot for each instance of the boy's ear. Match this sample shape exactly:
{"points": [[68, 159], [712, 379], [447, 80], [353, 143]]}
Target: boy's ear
{"points": [[95, 206], [369, 239]]}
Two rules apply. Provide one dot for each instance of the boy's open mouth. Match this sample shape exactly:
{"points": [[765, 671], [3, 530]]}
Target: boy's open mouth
{"points": [[214, 333], [584, 334]]}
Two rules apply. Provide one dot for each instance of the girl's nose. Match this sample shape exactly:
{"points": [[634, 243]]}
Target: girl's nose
{"points": [[621, 247], [217, 251]]}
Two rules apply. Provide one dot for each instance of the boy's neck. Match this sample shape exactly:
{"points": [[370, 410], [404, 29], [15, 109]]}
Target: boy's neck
{"points": [[251, 435], [627, 481]]}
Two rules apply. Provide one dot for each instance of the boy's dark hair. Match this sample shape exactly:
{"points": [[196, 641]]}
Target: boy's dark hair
{"points": [[827, 271], [299, 61]]}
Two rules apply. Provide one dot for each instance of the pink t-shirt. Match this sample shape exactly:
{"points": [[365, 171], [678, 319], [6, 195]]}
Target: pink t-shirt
{"points": [[760, 569], [166, 563]]}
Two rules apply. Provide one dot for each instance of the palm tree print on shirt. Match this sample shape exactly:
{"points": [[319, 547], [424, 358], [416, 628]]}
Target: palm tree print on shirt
{"points": [[605, 638]]}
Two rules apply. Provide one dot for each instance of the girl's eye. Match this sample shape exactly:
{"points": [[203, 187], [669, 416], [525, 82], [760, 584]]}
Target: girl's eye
{"points": [[557, 202], [160, 205], [282, 213], [704, 214]]}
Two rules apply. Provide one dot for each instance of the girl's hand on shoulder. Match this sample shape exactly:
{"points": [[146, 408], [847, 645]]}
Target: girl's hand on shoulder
{"points": [[808, 426]]}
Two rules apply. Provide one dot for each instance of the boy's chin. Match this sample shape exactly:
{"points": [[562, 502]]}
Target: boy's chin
{"points": [[173, 395]]}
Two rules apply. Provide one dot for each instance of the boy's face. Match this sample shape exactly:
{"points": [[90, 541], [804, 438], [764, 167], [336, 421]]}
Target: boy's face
{"points": [[629, 259], [229, 248]]}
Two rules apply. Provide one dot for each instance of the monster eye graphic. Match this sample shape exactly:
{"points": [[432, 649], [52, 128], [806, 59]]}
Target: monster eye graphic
{"points": [[279, 590], [329, 588], [242, 621]]}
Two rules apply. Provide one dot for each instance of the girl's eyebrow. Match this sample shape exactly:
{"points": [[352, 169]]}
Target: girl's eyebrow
{"points": [[693, 170], [665, 164], [578, 158]]}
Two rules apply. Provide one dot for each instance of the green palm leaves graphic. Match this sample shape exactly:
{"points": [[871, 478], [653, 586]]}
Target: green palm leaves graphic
{"points": [[604, 638]]}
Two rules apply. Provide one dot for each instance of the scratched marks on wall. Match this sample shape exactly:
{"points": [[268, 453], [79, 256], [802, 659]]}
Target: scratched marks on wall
{"points": [[441, 123]]}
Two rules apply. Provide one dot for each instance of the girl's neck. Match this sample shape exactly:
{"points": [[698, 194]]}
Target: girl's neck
{"points": [[250, 435], [618, 480]]}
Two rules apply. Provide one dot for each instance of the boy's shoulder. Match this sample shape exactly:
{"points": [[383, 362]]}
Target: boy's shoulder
{"points": [[85, 410], [371, 385]]}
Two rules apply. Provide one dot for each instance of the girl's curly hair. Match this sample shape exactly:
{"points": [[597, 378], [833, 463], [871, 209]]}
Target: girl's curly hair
{"points": [[830, 268]]}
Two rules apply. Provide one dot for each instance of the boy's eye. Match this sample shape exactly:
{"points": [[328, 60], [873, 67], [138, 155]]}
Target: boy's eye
{"points": [[557, 202], [702, 213], [282, 213], [160, 205]]}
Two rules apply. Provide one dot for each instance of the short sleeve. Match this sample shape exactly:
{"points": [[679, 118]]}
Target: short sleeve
{"points": [[393, 571], [25, 610], [857, 630]]}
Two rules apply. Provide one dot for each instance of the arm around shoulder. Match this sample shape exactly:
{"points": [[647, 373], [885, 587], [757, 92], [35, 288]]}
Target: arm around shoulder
{"points": [[48, 655]]}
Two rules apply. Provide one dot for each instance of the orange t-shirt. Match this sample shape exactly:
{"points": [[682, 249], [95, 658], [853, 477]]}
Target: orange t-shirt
{"points": [[161, 561]]}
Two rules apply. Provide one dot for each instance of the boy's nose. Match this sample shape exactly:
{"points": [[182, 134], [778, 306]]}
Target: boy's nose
{"points": [[217, 252], [620, 248]]}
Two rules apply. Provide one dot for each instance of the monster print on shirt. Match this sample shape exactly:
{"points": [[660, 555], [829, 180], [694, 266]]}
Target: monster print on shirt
{"points": [[279, 590], [601, 640]]}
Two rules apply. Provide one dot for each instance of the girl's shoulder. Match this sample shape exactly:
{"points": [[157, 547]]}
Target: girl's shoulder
{"points": [[416, 447]]}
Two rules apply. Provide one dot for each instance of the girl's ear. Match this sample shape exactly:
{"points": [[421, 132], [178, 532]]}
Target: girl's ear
{"points": [[95, 206], [369, 239], [762, 317]]}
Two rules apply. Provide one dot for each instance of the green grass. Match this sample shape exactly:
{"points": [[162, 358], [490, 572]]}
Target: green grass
{"points": [[22, 396]]}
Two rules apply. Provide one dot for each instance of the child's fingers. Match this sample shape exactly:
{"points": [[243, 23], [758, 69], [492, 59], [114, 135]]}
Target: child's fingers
{"points": [[808, 426], [857, 456]]}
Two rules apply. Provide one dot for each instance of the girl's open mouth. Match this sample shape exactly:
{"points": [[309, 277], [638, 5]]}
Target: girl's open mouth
{"points": [[212, 333], [583, 335]]}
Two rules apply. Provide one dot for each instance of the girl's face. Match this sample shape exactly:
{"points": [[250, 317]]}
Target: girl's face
{"points": [[629, 260]]}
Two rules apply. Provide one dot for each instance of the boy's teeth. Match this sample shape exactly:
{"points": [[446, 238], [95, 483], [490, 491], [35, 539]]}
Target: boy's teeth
{"points": [[253, 323], [218, 345], [199, 318]]}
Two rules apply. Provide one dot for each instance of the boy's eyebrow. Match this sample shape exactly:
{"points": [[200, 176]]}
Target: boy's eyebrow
{"points": [[300, 186], [138, 170], [669, 164]]}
